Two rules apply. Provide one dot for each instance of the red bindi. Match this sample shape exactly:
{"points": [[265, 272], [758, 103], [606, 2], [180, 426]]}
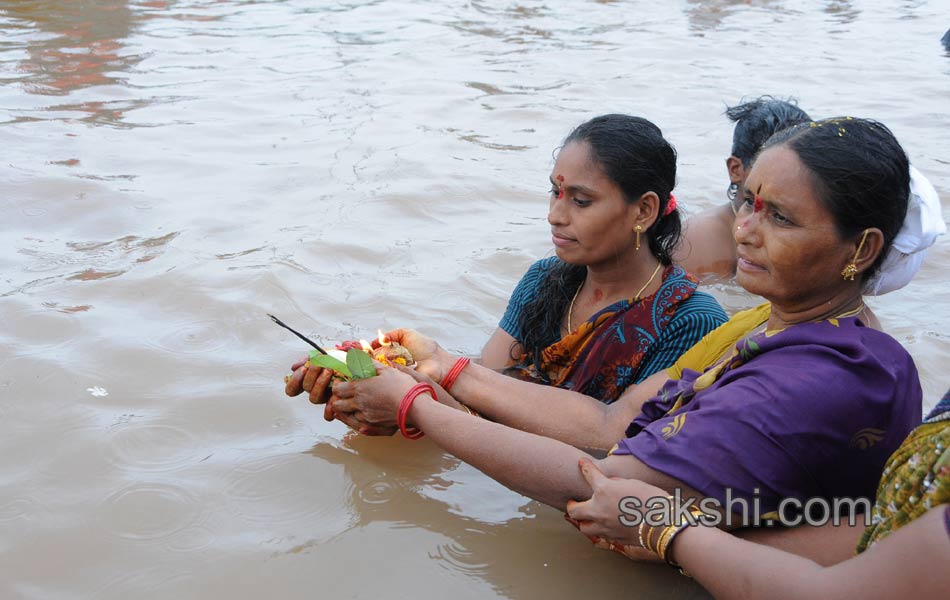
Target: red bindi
{"points": [[560, 186], [757, 201]]}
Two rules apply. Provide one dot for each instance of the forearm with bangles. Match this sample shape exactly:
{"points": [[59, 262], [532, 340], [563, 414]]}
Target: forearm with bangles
{"points": [[570, 417]]}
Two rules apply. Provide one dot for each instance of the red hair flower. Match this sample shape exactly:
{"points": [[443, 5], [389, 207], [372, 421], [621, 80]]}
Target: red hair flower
{"points": [[670, 206]]}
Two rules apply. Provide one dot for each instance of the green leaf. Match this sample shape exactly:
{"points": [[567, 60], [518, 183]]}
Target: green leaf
{"points": [[360, 364], [328, 362]]}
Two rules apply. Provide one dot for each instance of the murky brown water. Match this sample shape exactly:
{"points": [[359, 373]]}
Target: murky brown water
{"points": [[173, 170]]}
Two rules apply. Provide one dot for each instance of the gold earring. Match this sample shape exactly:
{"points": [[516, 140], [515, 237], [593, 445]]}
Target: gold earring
{"points": [[638, 230], [851, 269]]}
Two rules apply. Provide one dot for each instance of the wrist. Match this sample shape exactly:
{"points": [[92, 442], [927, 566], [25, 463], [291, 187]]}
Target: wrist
{"points": [[671, 550], [445, 361], [665, 539], [405, 405], [452, 375], [677, 547]]}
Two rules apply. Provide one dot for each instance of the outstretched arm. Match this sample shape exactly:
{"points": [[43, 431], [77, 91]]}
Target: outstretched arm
{"points": [[538, 467], [827, 544], [571, 417], [911, 563]]}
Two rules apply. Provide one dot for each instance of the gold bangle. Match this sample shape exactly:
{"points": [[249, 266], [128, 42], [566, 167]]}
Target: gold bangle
{"points": [[659, 540], [669, 546], [653, 547], [698, 514], [663, 541], [640, 535], [466, 408]]}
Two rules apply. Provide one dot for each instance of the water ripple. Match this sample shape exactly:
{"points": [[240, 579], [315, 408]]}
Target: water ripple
{"points": [[262, 493], [148, 511], [456, 557], [151, 447], [192, 539], [15, 508], [378, 492], [253, 374], [196, 337]]}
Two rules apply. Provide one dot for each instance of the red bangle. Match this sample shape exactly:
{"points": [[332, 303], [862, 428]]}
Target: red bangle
{"points": [[453, 373], [406, 403]]}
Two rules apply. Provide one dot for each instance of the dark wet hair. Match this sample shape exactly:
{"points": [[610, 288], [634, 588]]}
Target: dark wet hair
{"points": [[756, 121], [860, 173], [633, 153], [945, 40]]}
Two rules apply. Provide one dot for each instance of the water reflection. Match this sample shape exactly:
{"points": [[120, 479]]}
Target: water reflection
{"points": [[707, 15], [61, 48], [396, 482], [52, 261], [82, 46], [842, 11]]}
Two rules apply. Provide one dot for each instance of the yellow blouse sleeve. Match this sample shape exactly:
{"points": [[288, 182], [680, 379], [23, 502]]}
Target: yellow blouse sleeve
{"points": [[714, 344]]}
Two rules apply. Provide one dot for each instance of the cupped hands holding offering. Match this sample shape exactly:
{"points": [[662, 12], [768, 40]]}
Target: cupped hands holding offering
{"points": [[371, 405], [371, 409]]}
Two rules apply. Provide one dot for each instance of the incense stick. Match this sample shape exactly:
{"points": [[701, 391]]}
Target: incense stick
{"points": [[296, 333]]}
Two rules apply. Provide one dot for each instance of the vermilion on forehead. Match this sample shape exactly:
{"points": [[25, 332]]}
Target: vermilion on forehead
{"points": [[759, 201], [576, 187]]}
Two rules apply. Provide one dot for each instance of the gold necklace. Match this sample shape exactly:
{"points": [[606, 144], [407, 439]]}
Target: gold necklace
{"points": [[636, 298], [850, 313]]}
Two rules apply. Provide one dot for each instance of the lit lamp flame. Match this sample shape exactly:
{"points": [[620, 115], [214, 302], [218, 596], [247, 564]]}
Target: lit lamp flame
{"points": [[383, 340], [366, 347]]}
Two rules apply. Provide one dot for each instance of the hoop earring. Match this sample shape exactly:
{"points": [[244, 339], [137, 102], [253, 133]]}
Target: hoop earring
{"points": [[851, 269], [638, 230]]}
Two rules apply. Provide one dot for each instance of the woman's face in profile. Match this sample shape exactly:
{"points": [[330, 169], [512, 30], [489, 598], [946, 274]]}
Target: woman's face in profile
{"points": [[789, 250], [591, 222]]}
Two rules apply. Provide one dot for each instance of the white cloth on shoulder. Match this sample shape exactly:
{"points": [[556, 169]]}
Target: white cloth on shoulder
{"points": [[922, 225]]}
